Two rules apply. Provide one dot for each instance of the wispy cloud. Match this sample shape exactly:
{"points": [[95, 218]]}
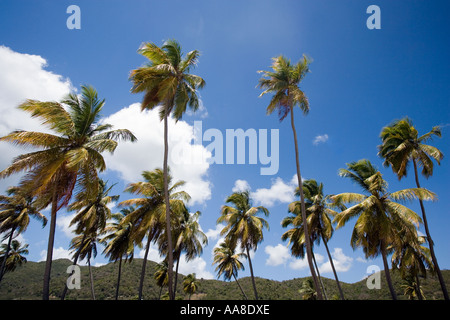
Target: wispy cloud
{"points": [[320, 139]]}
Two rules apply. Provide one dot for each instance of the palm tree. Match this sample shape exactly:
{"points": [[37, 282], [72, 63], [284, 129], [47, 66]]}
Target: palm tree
{"points": [[402, 145], [68, 159], [150, 214], [319, 223], [412, 289], [190, 284], [307, 290], [412, 259], [13, 255], [380, 218], [15, 211], [188, 238], [118, 241], [228, 263], [167, 83], [91, 218], [161, 276], [85, 246], [283, 81], [243, 225]]}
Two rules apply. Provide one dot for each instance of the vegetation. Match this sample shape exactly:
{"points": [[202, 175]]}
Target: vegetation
{"points": [[64, 172], [243, 226], [26, 283], [284, 83], [167, 84]]}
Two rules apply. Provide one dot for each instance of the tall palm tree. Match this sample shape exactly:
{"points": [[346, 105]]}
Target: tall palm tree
{"points": [[190, 284], [66, 160], [15, 211], [380, 217], [91, 219], [412, 259], [150, 215], [188, 238], [318, 210], [161, 276], [168, 84], [118, 241], [13, 255], [283, 82], [243, 225], [86, 247], [228, 263], [401, 145]]}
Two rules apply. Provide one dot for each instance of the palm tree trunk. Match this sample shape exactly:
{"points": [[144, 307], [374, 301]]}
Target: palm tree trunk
{"points": [[144, 265], [320, 278], [430, 241], [251, 272], [386, 271], [239, 285], [8, 248], [75, 260], [341, 293], [419, 293], [303, 210], [91, 278], [51, 240], [166, 197], [176, 277], [160, 291], [118, 278]]}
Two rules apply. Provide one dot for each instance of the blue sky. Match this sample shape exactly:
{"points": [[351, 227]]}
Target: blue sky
{"points": [[360, 81]]}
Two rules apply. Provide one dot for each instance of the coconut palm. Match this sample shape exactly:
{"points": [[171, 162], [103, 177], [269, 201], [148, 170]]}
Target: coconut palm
{"points": [[380, 217], [401, 145], [85, 245], [168, 84], [190, 284], [66, 160], [319, 213], [283, 82], [16, 208], [188, 238], [228, 263], [161, 276], [90, 221], [307, 290], [243, 225], [412, 259], [149, 218], [412, 289], [13, 255], [118, 241]]}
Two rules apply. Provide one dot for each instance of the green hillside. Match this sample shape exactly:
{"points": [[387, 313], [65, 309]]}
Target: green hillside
{"points": [[26, 283]]}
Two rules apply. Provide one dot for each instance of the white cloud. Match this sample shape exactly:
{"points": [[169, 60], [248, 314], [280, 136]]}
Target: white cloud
{"points": [[320, 139], [63, 222], [277, 255], [342, 263], [299, 264], [23, 76], [281, 255], [153, 254], [197, 266], [213, 234], [279, 191], [362, 260], [187, 161], [58, 253], [241, 185]]}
